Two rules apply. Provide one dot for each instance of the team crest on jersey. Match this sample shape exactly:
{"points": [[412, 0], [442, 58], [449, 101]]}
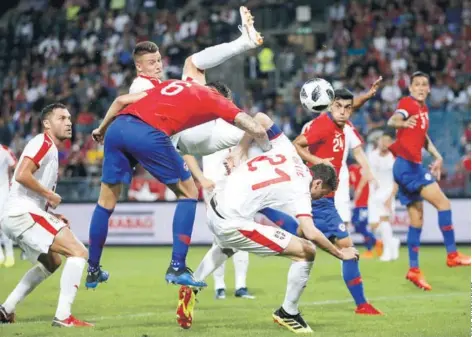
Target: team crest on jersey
{"points": [[342, 227]]}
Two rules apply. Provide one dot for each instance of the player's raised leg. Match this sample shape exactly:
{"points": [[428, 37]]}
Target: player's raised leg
{"points": [[434, 195]]}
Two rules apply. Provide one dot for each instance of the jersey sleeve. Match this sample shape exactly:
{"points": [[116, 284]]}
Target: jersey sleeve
{"points": [[10, 156], [404, 107], [222, 107], [139, 85], [37, 148], [353, 137], [316, 132]]}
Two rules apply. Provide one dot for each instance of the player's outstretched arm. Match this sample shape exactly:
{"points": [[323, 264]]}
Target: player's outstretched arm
{"points": [[398, 121], [359, 101], [255, 130], [361, 158], [301, 144], [118, 104], [197, 172], [25, 177], [310, 232]]}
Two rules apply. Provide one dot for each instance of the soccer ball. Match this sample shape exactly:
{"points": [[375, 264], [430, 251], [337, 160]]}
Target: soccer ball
{"points": [[316, 95]]}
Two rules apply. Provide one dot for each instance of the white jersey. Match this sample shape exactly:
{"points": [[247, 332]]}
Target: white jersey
{"points": [[142, 83], [276, 179], [382, 169], [43, 152], [7, 160], [353, 140]]}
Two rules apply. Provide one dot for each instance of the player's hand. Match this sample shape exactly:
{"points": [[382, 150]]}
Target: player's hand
{"points": [[326, 161], [53, 199], [98, 135], [207, 184], [410, 123], [375, 87], [62, 218], [350, 253], [436, 169]]}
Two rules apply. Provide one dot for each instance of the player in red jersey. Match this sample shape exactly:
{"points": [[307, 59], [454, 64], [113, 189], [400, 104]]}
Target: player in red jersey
{"points": [[360, 213], [415, 182], [140, 134], [324, 142]]}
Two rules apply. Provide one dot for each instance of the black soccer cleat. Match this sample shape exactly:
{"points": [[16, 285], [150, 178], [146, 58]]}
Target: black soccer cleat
{"points": [[294, 323], [6, 318]]}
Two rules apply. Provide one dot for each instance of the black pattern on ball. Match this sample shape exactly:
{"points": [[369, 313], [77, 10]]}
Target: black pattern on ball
{"points": [[303, 94], [330, 94], [316, 94]]}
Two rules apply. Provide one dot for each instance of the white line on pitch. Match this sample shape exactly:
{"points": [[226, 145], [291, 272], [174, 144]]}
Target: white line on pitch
{"points": [[327, 302]]}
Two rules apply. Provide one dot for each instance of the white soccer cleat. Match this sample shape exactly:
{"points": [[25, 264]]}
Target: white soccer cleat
{"points": [[254, 38]]}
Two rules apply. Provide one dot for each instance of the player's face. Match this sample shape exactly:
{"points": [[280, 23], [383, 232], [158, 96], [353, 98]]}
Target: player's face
{"points": [[341, 110], [384, 142], [318, 190], [150, 65], [59, 123], [419, 88]]}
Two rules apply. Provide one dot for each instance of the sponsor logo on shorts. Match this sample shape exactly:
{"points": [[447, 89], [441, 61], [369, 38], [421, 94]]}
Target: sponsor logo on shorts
{"points": [[428, 176], [279, 235], [342, 227]]}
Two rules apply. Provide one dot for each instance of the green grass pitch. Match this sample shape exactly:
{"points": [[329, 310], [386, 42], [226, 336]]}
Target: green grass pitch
{"points": [[137, 302]]}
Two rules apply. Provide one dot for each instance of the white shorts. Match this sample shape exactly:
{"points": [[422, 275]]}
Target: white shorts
{"points": [[208, 138], [342, 202], [376, 208], [34, 232], [247, 235]]}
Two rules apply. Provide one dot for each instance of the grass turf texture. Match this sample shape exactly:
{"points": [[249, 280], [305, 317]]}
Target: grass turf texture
{"points": [[137, 301]]}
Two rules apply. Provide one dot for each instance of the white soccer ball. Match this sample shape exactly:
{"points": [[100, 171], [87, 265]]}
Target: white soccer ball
{"points": [[316, 95]]}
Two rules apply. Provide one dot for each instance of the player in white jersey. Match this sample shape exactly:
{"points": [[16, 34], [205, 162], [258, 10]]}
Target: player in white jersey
{"points": [[7, 164], [381, 205], [42, 235], [276, 179]]}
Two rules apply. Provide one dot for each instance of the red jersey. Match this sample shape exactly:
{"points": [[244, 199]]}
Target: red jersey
{"points": [[326, 140], [355, 176], [410, 142], [175, 105]]}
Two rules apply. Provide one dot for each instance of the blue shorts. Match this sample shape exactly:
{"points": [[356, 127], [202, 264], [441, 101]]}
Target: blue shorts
{"points": [[411, 178], [360, 217], [129, 141], [327, 219]]}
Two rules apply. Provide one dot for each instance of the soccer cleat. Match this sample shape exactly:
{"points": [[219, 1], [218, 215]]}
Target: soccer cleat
{"points": [[70, 322], [185, 307], [368, 254], [220, 294], [379, 247], [416, 277], [183, 277], [247, 28], [457, 259], [6, 318], [9, 262], [367, 309], [94, 277], [243, 293], [294, 323]]}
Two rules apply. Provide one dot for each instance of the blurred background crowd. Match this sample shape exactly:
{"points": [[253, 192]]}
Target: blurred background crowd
{"points": [[79, 52]]}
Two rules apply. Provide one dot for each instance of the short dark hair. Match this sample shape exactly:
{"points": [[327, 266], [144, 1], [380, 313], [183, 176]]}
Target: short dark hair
{"points": [[48, 109], [343, 93], [325, 173], [221, 87], [418, 74], [145, 47]]}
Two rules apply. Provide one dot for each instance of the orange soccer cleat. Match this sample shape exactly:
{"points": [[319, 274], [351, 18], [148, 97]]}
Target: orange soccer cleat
{"points": [[416, 277], [70, 322], [367, 309], [379, 247], [368, 254], [185, 307], [457, 259]]}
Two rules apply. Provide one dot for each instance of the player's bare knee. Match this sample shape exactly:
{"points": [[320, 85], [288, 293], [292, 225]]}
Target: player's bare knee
{"points": [[344, 243], [51, 261], [185, 189], [309, 251]]}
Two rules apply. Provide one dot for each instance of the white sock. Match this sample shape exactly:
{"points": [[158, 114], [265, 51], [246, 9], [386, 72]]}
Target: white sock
{"points": [[213, 56], [297, 278], [219, 277], [8, 243], [70, 281], [241, 263], [30, 280], [212, 260], [386, 236]]}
